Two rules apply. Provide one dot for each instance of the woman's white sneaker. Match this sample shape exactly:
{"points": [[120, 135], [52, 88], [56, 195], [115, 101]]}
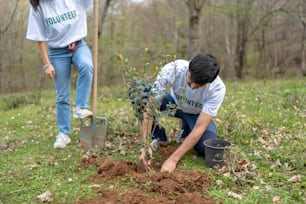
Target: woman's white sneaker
{"points": [[81, 112], [62, 140]]}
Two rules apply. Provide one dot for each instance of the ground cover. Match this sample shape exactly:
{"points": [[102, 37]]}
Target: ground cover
{"points": [[264, 120]]}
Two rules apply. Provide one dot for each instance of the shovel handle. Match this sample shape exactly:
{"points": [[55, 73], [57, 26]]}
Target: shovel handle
{"points": [[95, 57]]}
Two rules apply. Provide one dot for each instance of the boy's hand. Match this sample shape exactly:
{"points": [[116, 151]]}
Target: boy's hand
{"points": [[145, 157], [168, 166]]}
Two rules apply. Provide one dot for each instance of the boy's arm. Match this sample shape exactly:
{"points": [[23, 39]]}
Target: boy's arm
{"points": [[190, 141]]}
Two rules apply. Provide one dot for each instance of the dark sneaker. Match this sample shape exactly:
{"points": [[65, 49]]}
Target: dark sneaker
{"points": [[179, 137], [156, 143]]}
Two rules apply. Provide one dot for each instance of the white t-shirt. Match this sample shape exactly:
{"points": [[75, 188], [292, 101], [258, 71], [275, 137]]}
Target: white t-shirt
{"points": [[58, 22], [207, 99]]}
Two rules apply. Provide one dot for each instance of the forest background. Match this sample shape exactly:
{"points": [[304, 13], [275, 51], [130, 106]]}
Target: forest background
{"points": [[261, 48], [253, 39]]}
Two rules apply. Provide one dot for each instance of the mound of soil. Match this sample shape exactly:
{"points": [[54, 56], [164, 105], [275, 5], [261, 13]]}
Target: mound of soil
{"points": [[152, 187]]}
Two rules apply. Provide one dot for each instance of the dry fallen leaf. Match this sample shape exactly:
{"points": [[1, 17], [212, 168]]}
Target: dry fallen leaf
{"points": [[227, 174], [270, 147], [219, 182], [276, 164], [234, 195], [95, 186], [261, 140], [295, 179], [45, 197], [262, 182], [268, 187], [256, 187], [276, 199], [4, 145], [242, 165]]}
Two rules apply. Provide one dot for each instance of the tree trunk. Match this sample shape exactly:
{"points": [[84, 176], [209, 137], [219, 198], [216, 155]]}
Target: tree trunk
{"points": [[241, 47], [303, 69], [107, 4], [4, 75], [303, 20], [103, 16], [243, 20], [195, 7]]}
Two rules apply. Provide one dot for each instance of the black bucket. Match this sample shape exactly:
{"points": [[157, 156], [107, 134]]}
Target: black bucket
{"points": [[215, 152]]}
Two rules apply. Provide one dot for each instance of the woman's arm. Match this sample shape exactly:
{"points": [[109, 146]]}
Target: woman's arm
{"points": [[48, 67]]}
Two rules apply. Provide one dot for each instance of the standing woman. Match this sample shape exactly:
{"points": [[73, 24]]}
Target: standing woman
{"points": [[59, 26]]}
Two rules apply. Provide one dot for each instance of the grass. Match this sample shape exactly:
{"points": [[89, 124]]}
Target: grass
{"points": [[264, 120]]}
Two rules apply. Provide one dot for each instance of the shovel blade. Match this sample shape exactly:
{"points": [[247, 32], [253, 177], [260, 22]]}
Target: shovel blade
{"points": [[93, 135]]}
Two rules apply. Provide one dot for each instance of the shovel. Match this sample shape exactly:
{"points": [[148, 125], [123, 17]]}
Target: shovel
{"points": [[93, 132]]}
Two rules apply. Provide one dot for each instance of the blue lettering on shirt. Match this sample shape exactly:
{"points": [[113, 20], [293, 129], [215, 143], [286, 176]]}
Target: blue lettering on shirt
{"points": [[61, 18], [188, 101]]}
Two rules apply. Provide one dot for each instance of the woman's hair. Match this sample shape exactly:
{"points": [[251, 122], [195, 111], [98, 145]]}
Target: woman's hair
{"points": [[34, 3], [204, 68]]}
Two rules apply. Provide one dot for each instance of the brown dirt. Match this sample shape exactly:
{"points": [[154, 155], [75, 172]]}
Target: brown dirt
{"points": [[152, 187]]}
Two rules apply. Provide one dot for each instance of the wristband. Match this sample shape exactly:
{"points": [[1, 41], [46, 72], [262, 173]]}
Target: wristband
{"points": [[45, 66]]}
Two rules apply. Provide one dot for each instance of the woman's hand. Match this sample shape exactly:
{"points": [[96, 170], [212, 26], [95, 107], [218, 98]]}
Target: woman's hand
{"points": [[48, 67], [50, 71]]}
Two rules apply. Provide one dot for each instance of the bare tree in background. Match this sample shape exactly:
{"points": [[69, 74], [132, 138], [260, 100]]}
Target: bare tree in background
{"points": [[195, 8], [302, 11], [103, 16], [252, 38], [249, 20], [4, 28], [243, 21]]}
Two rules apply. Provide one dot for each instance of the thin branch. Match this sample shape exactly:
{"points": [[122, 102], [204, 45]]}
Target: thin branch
{"points": [[265, 20], [5, 29], [103, 16], [202, 4], [301, 15]]}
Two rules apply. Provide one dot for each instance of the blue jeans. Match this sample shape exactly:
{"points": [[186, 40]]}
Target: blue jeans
{"points": [[188, 123], [138, 93], [62, 59]]}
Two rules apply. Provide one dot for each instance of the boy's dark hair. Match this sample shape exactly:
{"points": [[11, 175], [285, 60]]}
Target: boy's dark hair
{"points": [[203, 68], [35, 4]]}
